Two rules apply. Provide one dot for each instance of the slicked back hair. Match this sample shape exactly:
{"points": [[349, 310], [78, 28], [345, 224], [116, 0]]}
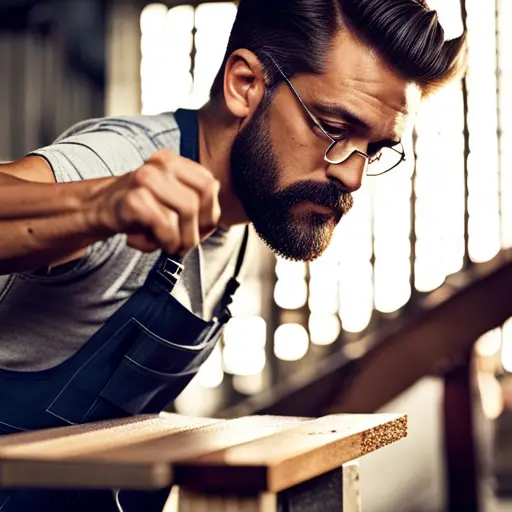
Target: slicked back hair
{"points": [[299, 34]]}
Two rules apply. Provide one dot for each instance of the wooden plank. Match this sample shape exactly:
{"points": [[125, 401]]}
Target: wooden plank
{"points": [[92, 437], [77, 475], [22, 455], [122, 456], [285, 459], [262, 454], [124, 444]]}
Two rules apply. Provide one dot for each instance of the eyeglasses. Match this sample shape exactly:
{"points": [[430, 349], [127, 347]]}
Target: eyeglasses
{"points": [[340, 149]]}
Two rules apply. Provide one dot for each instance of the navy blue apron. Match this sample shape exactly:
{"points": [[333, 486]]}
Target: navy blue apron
{"points": [[137, 363]]}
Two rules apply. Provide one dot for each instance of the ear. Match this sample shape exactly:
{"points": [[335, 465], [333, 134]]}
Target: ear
{"points": [[244, 83]]}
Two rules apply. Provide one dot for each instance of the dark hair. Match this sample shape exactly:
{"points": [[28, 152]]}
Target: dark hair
{"points": [[299, 34]]}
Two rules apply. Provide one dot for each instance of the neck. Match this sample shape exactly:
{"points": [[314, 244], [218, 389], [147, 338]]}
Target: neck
{"points": [[217, 132]]}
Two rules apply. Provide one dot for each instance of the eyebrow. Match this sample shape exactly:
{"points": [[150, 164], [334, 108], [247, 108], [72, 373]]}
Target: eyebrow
{"points": [[341, 112], [349, 117]]}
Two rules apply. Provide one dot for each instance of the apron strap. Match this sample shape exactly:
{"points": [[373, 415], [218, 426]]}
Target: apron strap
{"points": [[241, 253], [222, 313], [171, 267]]}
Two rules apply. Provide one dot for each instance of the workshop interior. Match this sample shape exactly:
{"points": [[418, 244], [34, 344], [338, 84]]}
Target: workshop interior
{"points": [[422, 323]]}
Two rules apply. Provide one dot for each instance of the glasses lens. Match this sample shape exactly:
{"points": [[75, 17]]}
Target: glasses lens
{"points": [[385, 160], [338, 152]]}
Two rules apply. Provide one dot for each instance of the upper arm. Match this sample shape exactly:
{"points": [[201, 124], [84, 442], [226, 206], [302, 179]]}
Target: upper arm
{"points": [[31, 168]]}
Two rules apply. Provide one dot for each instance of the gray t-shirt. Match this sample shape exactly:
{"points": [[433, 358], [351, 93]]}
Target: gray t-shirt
{"points": [[47, 317]]}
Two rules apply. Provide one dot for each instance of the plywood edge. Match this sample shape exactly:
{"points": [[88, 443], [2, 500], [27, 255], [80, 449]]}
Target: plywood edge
{"points": [[287, 473], [385, 434]]}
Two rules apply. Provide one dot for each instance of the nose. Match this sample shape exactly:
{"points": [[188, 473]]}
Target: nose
{"points": [[348, 175]]}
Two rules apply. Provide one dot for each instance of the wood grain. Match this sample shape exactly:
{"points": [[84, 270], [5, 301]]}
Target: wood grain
{"points": [[91, 437], [161, 440], [22, 456], [116, 454], [293, 456], [260, 454]]}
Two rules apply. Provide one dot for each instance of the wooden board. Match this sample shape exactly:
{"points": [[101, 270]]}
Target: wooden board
{"points": [[293, 456], [260, 453], [22, 456]]}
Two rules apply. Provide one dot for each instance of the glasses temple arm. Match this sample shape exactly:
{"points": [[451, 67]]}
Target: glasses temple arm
{"points": [[296, 94]]}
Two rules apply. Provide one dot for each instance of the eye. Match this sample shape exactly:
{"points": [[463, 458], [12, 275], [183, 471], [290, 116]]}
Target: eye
{"points": [[336, 132]]}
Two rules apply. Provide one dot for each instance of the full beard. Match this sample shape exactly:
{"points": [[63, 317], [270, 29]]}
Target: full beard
{"points": [[256, 175]]}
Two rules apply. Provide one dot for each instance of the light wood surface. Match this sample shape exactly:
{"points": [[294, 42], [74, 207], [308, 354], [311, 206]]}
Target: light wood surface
{"points": [[255, 454], [292, 456]]}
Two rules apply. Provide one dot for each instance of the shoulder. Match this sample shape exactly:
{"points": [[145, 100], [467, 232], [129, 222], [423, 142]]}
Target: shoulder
{"points": [[109, 146], [146, 132]]}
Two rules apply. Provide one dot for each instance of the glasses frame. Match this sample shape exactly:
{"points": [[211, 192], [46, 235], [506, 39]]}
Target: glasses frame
{"points": [[333, 140]]}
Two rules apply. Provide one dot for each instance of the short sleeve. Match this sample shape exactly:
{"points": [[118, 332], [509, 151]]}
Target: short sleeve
{"points": [[98, 149], [99, 152]]}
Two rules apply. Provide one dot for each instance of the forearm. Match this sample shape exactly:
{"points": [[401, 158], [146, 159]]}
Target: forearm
{"points": [[41, 223]]}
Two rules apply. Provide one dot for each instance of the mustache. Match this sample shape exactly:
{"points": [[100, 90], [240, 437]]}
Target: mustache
{"points": [[323, 194]]}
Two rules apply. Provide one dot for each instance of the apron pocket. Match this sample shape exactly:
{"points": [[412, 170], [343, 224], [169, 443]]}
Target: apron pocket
{"points": [[134, 389], [160, 355], [150, 376]]}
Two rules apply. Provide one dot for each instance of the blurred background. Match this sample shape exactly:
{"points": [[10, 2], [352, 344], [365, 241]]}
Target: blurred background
{"points": [[421, 323]]}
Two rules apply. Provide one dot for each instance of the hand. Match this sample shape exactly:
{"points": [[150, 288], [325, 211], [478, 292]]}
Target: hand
{"points": [[169, 203]]}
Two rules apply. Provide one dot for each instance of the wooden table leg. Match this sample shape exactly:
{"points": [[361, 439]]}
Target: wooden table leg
{"points": [[351, 488], [336, 491], [460, 440]]}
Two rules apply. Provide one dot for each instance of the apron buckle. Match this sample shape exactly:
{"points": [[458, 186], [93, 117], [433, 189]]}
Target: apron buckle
{"points": [[170, 270]]}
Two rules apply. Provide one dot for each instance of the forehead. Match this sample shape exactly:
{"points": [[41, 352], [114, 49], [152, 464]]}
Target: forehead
{"points": [[357, 79]]}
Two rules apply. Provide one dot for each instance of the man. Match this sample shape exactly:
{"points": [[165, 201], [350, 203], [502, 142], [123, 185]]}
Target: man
{"points": [[312, 95]]}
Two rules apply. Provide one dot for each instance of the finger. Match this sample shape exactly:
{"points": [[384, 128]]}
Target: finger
{"points": [[186, 203], [141, 209], [191, 174], [207, 187], [176, 196], [143, 241]]}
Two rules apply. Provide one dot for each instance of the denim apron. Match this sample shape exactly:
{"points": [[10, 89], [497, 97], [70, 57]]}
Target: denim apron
{"points": [[137, 363]]}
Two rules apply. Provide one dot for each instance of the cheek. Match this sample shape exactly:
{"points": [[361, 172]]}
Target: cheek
{"points": [[301, 163], [298, 151]]}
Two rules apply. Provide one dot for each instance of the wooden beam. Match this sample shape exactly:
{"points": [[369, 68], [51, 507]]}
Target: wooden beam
{"points": [[461, 447], [430, 341]]}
